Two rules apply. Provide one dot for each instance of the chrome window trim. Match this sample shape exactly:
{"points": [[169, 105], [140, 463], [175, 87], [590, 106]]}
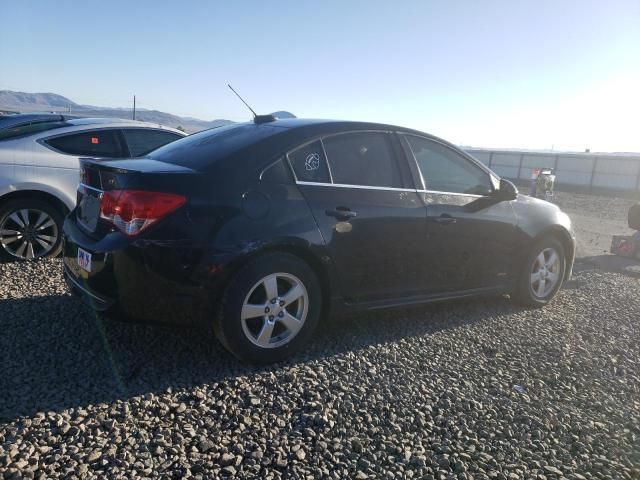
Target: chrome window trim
{"points": [[361, 187], [438, 192], [335, 134], [370, 187], [393, 189], [293, 170], [90, 188], [326, 159], [279, 159], [155, 129], [464, 155]]}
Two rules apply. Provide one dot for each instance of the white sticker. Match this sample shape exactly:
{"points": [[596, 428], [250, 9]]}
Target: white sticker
{"points": [[312, 162], [84, 259]]}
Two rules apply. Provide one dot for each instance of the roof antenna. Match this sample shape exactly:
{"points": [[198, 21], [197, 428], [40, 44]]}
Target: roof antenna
{"points": [[256, 118], [242, 100]]}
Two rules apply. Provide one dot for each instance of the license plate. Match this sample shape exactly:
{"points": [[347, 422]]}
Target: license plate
{"points": [[84, 260], [89, 211]]}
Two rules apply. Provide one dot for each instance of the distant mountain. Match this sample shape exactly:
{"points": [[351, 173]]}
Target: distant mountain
{"points": [[52, 102], [9, 99]]}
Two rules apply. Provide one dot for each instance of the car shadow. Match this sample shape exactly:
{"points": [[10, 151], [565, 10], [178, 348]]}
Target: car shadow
{"points": [[610, 263], [55, 354]]}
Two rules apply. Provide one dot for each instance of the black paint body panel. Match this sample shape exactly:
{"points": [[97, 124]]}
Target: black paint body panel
{"points": [[392, 252]]}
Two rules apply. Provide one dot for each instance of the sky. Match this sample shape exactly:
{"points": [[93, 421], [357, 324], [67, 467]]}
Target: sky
{"points": [[558, 74]]}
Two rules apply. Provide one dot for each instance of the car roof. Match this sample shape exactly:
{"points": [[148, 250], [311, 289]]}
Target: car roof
{"points": [[35, 127], [11, 121], [315, 126], [292, 123], [117, 122], [259, 142], [22, 119]]}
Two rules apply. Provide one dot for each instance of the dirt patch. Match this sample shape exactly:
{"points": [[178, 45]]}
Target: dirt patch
{"points": [[596, 218]]}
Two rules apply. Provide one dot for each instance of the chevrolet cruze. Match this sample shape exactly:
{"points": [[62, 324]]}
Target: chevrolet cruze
{"points": [[261, 229]]}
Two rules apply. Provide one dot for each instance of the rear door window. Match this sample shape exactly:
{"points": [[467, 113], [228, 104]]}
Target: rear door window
{"points": [[363, 158], [309, 163], [95, 143], [144, 140]]}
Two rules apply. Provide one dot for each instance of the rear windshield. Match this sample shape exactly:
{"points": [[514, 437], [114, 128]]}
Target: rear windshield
{"points": [[199, 150]]}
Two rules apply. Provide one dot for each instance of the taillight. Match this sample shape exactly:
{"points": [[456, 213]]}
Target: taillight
{"points": [[132, 211]]}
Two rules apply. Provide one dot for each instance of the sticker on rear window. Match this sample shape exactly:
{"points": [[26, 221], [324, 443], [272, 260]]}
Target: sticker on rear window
{"points": [[312, 162]]}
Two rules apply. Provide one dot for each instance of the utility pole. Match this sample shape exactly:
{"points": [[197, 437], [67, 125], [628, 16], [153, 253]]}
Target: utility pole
{"points": [[134, 107]]}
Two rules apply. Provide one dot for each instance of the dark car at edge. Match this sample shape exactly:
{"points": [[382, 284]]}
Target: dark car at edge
{"points": [[261, 229]]}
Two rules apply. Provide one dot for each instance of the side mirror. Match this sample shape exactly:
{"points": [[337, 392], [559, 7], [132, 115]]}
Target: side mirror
{"points": [[506, 191]]}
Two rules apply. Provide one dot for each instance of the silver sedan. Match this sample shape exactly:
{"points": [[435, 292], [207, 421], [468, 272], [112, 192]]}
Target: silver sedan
{"points": [[39, 162]]}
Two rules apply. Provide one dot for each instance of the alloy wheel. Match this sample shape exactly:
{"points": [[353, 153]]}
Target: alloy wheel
{"points": [[275, 310], [545, 272], [28, 233]]}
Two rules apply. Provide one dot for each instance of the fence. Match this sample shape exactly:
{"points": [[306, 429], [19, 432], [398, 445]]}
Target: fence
{"points": [[605, 171]]}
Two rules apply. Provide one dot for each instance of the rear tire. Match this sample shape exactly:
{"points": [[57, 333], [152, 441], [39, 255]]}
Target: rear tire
{"points": [[270, 308], [542, 274], [30, 228]]}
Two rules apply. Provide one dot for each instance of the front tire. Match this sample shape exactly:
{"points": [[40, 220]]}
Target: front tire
{"points": [[30, 229], [269, 309], [543, 273]]}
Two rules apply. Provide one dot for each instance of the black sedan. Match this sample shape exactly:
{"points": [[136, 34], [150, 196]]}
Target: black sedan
{"points": [[261, 229]]}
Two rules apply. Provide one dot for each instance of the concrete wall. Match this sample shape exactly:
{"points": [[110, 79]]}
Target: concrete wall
{"points": [[620, 172]]}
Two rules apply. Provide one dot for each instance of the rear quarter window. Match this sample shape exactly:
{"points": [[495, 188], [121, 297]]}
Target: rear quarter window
{"points": [[96, 143]]}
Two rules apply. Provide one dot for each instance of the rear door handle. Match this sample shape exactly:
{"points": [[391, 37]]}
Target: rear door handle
{"points": [[341, 213], [445, 219]]}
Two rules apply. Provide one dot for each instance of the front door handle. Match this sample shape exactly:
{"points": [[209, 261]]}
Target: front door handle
{"points": [[341, 213], [445, 219]]}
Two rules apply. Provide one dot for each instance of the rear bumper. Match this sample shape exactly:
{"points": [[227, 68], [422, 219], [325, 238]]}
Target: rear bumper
{"points": [[95, 301], [146, 283]]}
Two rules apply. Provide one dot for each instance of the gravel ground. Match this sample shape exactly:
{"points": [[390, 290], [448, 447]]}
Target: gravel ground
{"points": [[478, 389], [595, 219]]}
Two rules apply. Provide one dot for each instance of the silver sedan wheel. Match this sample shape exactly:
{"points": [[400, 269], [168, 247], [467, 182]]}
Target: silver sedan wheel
{"points": [[28, 233], [275, 310], [545, 273]]}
